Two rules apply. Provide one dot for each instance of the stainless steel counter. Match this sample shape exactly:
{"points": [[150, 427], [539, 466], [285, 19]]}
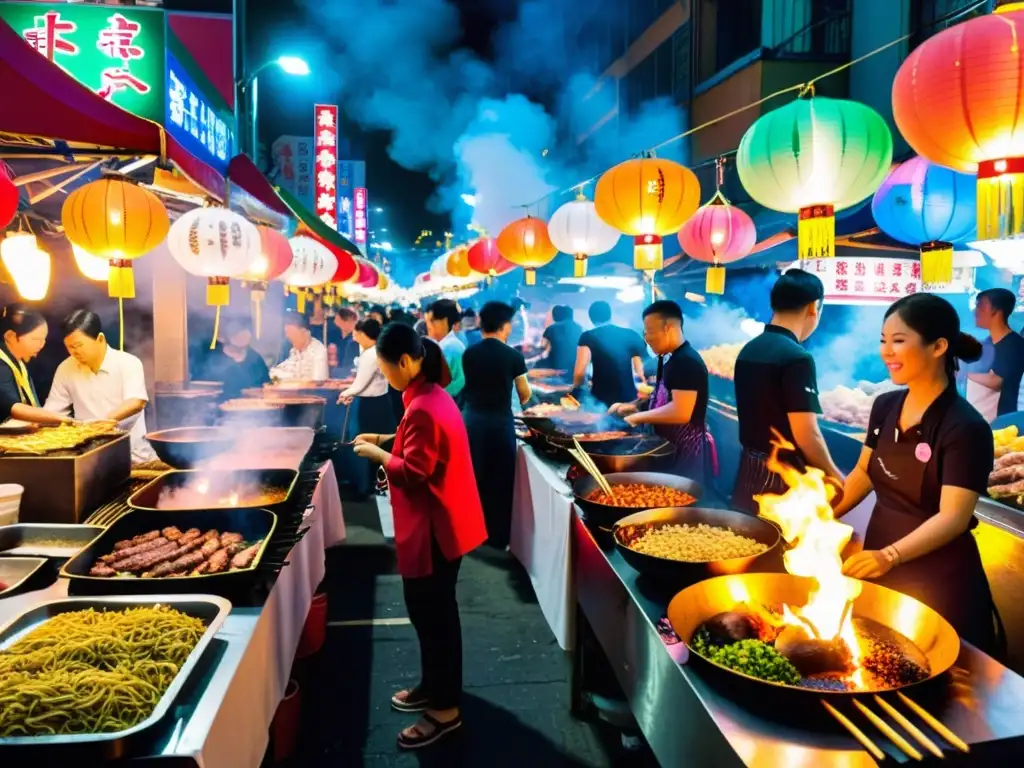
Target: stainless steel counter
{"points": [[688, 719]]}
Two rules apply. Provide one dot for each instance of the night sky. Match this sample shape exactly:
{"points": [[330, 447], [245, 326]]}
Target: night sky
{"points": [[286, 108]]}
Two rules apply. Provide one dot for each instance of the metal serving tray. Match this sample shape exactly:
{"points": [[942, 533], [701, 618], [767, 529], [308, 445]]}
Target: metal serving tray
{"points": [[147, 497], [17, 540], [212, 610], [16, 572]]}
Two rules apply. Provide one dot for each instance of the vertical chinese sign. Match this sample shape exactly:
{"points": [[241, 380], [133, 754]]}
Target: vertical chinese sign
{"points": [[360, 205], [345, 186], [325, 163], [117, 51]]}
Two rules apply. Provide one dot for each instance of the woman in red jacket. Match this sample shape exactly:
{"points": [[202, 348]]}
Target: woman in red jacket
{"points": [[438, 519]]}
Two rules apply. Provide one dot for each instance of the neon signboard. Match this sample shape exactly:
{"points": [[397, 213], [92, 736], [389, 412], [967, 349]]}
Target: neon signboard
{"points": [[325, 165], [360, 204], [117, 51], [192, 120]]}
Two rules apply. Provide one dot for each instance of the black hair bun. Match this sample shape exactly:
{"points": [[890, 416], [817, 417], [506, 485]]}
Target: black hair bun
{"points": [[967, 348]]}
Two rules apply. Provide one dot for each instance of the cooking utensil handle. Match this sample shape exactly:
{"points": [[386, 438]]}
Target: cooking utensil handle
{"points": [[908, 726], [854, 731], [934, 724], [889, 732]]}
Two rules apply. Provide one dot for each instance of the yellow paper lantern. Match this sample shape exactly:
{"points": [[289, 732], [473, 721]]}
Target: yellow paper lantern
{"points": [[647, 198]]}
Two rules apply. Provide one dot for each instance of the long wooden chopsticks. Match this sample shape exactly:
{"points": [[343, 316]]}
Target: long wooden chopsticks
{"points": [[588, 464]]}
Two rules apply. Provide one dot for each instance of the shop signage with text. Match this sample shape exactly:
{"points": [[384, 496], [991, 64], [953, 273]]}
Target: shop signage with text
{"points": [[325, 182]]}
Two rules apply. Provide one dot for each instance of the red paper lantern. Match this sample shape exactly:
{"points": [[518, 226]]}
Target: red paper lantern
{"points": [[718, 233], [955, 99], [8, 197], [485, 258], [526, 244], [367, 276]]}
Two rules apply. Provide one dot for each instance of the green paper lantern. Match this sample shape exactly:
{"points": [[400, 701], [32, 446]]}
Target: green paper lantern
{"points": [[813, 157]]}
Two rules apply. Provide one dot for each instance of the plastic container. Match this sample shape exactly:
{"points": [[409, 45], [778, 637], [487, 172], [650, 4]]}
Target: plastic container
{"points": [[314, 631], [285, 727], [10, 502]]}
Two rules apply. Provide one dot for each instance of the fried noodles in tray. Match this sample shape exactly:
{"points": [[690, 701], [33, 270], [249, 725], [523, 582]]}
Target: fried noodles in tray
{"points": [[91, 672], [66, 437]]}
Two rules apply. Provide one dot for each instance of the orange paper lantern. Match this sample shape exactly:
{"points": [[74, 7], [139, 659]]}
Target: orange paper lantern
{"points": [[647, 198], [526, 244], [457, 263]]}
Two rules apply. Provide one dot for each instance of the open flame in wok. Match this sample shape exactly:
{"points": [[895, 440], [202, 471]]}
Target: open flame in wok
{"points": [[816, 541]]}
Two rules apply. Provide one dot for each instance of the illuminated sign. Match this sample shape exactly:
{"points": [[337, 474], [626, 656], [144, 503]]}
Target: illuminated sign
{"points": [[325, 163], [119, 53], [193, 122], [359, 200], [345, 205], [867, 280]]}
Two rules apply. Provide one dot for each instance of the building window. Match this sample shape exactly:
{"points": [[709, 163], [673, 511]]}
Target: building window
{"points": [[929, 17], [727, 30]]}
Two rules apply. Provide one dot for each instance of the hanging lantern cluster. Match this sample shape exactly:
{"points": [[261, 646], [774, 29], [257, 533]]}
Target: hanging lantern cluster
{"points": [[27, 264], [929, 206], [576, 229], [526, 244], [647, 198], [813, 157], [115, 219], [486, 258]]}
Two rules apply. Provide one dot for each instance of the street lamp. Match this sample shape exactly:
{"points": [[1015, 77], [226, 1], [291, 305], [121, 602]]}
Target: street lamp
{"points": [[290, 65]]}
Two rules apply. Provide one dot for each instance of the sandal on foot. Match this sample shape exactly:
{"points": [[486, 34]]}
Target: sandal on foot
{"points": [[438, 730], [409, 701]]}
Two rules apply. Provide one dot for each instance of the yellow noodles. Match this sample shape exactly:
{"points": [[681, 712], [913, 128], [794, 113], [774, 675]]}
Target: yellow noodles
{"points": [[93, 671]]}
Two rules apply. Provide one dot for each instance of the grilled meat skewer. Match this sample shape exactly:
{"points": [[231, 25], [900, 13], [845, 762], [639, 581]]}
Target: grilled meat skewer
{"points": [[126, 554], [134, 542]]}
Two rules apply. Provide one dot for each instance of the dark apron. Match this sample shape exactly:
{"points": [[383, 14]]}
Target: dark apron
{"points": [[754, 479], [493, 448], [695, 447], [950, 580]]}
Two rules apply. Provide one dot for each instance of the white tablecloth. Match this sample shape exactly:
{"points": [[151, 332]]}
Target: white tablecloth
{"points": [[228, 725], [542, 513]]}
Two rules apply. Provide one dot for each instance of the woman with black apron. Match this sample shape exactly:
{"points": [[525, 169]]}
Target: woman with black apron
{"points": [[22, 337], [927, 455], [492, 368], [678, 406]]}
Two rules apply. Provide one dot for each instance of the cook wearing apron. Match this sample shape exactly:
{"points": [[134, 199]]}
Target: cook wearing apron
{"points": [[952, 446]]}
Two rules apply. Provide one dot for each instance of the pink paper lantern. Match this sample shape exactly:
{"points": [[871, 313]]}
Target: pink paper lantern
{"points": [[718, 233], [367, 276]]}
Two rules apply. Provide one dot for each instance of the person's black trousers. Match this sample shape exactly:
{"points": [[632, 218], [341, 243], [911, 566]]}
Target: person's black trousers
{"points": [[493, 449], [434, 612]]}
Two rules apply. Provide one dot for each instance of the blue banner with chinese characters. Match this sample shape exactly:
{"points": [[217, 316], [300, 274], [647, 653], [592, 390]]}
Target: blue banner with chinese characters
{"points": [[193, 120]]}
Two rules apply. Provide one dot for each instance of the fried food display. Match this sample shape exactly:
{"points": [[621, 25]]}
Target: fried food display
{"points": [[641, 496], [592, 437], [1006, 481], [695, 543], [170, 553], [65, 437], [91, 671]]}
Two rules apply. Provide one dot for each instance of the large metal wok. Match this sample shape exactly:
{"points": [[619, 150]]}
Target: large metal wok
{"points": [[931, 633], [185, 447], [635, 453], [678, 573], [606, 515]]}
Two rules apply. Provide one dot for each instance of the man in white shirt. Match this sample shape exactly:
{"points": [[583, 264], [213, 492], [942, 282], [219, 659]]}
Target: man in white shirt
{"points": [[307, 360], [100, 383]]}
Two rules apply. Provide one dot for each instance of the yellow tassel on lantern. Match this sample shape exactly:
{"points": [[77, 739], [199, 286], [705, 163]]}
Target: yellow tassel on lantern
{"points": [[300, 301], [531, 276], [259, 293], [1001, 198], [121, 286], [218, 294], [816, 232], [648, 253], [714, 281], [936, 262], [579, 265]]}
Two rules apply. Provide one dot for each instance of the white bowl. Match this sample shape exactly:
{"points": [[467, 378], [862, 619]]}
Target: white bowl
{"points": [[10, 502]]}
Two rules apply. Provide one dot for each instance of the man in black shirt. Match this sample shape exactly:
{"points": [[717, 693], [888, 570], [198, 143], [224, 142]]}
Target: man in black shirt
{"points": [[617, 355], [561, 340], [777, 389], [678, 406], [992, 313]]}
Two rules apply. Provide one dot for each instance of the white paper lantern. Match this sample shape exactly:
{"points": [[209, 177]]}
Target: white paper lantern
{"points": [[214, 242], [312, 263], [575, 228]]}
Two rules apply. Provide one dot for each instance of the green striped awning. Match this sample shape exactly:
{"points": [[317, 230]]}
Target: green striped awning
{"points": [[317, 227]]}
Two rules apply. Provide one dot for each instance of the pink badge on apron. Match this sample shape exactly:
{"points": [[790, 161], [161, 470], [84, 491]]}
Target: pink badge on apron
{"points": [[923, 452]]}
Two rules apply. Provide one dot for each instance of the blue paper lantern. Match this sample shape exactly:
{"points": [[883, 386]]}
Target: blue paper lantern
{"points": [[920, 202]]}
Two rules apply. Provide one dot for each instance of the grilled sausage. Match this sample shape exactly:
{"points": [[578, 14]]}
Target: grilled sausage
{"points": [[218, 561], [211, 534], [104, 571], [230, 538], [125, 554], [209, 548], [134, 542], [244, 558], [190, 535], [190, 546], [148, 560], [201, 569], [176, 566], [171, 533]]}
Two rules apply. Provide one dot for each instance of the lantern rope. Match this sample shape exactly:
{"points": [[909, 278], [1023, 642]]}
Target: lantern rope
{"points": [[802, 88]]}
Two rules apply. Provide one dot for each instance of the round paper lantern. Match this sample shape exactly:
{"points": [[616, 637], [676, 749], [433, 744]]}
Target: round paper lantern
{"points": [[91, 267], [647, 198], [8, 197], [485, 257], [457, 262], [313, 263], [368, 276], [718, 233], [274, 259], [118, 220], [27, 264], [956, 101], [813, 157], [526, 244], [924, 204], [575, 228]]}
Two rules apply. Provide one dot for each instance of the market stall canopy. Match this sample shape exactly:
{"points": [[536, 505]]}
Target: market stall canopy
{"points": [[243, 172], [309, 220]]}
